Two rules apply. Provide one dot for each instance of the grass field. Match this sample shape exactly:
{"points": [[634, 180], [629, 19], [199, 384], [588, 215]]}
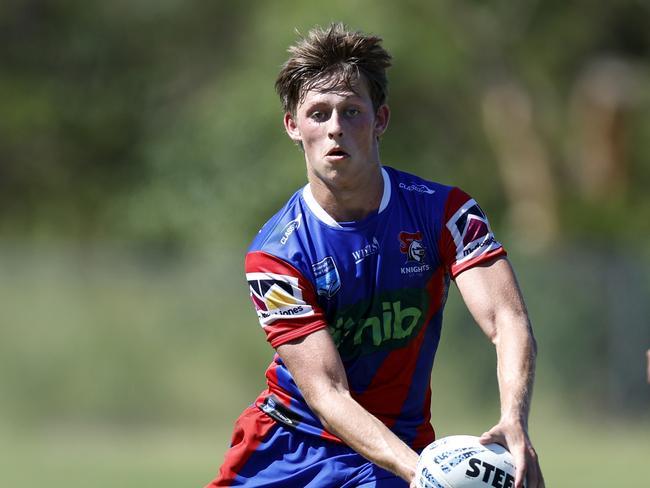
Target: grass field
{"points": [[573, 455], [103, 459], [116, 373], [575, 452]]}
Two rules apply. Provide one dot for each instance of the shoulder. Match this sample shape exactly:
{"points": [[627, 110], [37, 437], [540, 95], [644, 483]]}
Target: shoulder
{"points": [[451, 200], [416, 186], [286, 236], [279, 228]]}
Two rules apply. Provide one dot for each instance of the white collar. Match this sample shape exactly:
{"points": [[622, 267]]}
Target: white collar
{"points": [[326, 218]]}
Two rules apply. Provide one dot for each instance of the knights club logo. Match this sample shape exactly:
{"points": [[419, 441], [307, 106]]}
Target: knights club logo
{"points": [[276, 296], [410, 243]]}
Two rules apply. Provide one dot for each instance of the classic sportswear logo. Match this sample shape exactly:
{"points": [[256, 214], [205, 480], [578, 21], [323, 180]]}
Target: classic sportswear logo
{"points": [[471, 231], [411, 245], [290, 228], [416, 187], [274, 408], [276, 296]]}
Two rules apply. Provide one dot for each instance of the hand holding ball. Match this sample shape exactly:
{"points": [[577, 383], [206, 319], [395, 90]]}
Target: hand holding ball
{"points": [[461, 461]]}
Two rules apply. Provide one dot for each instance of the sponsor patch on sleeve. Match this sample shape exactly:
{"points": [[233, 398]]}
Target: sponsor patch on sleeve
{"points": [[277, 296], [470, 230]]}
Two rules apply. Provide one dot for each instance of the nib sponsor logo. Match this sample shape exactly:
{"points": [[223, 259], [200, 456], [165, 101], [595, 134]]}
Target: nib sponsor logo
{"points": [[393, 323]]}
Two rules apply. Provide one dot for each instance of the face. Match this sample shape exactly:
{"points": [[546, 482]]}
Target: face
{"points": [[338, 131]]}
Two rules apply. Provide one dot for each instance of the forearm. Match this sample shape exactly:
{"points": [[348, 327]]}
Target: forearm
{"points": [[516, 354], [363, 432], [325, 389], [493, 296]]}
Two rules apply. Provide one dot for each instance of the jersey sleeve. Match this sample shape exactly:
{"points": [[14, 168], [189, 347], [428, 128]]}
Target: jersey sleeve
{"points": [[467, 238], [284, 300]]}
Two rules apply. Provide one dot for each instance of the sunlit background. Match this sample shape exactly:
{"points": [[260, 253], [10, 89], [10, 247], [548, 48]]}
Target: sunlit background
{"points": [[141, 147]]}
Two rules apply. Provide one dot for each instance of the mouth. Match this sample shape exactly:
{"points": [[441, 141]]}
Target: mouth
{"points": [[336, 153]]}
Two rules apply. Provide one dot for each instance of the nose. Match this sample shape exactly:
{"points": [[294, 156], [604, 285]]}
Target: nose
{"points": [[334, 128]]}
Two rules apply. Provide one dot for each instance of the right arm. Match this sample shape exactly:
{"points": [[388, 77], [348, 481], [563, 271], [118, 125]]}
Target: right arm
{"points": [[317, 369], [306, 347]]}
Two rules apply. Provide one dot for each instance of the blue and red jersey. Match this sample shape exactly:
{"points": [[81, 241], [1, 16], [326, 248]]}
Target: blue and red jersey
{"points": [[378, 285]]}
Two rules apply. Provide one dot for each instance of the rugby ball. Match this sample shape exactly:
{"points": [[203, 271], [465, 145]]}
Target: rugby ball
{"points": [[461, 461]]}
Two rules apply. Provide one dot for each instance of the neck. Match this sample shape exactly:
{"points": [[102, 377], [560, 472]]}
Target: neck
{"points": [[352, 201]]}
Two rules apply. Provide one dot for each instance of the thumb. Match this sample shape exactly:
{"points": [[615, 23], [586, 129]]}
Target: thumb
{"points": [[490, 437]]}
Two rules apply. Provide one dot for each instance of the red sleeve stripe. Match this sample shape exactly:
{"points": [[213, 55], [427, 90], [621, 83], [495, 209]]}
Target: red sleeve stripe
{"points": [[487, 256], [466, 239], [285, 301]]}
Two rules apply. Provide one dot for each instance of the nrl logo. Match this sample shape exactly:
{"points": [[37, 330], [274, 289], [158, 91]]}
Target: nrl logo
{"points": [[328, 280]]}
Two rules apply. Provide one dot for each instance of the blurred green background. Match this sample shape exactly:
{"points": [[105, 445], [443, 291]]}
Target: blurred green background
{"points": [[141, 147]]}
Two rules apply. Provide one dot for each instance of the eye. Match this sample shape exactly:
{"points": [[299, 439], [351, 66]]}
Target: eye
{"points": [[352, 112], [317, 116]]}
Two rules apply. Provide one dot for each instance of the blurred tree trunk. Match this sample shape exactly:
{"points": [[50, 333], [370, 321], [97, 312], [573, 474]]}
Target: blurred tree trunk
{"points": [[508, 119], [600, 103], [523, 163]]}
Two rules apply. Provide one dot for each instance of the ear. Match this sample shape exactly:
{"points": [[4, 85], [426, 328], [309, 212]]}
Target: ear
{"points": [[381, 119], [292, 128]]}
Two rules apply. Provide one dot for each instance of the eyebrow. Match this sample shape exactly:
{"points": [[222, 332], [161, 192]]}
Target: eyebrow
{"points": [[349, 97]]}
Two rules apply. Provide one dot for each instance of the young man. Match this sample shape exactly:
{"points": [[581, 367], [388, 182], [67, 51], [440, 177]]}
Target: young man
{"points": [[349, 280]]}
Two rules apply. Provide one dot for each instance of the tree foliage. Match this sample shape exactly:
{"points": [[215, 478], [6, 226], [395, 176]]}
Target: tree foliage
{"points": [[156, 122]]}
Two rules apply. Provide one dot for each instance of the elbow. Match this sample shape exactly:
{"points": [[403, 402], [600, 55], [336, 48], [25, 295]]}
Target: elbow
{"points": [[532, 344], [329, 411], [324, 401]]}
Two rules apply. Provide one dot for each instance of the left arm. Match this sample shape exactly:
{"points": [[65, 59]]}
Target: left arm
{"points": [[493, 298]]}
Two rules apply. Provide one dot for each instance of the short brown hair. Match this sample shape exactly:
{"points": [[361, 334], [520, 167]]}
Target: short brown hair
{"points": [[330, 58]]}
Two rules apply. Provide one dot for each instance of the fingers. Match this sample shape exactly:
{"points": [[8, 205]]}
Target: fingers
{"points": [[527, 465], [534, 476], [522, 471], [522, 451], [528, 468]]}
